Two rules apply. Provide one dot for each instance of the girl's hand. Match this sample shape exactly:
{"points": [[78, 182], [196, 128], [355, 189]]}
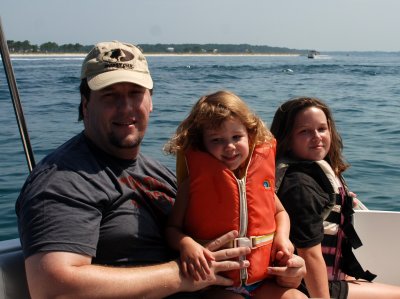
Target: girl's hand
{"points": [[282, 250], [195, 259], [355, 199]]}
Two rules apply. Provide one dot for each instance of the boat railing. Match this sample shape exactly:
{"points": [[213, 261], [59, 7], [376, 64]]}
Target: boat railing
{"points": [[19, 114]]}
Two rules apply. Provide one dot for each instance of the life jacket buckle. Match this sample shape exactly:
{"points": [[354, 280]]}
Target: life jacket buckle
{"points": [[243, 242]]}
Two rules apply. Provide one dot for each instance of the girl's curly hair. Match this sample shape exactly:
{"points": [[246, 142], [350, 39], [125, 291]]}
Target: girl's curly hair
{"points": [[210, 112]]}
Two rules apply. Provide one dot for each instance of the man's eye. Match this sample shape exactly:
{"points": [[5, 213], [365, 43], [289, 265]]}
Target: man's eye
{"points": [[108, 95], [136, 92]]}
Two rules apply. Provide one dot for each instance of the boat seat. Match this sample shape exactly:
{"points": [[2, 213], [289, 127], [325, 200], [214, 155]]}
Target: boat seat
{"points": [[13, 284]]}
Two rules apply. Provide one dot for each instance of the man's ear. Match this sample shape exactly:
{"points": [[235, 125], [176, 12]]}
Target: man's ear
{"points": [[84, 103]]}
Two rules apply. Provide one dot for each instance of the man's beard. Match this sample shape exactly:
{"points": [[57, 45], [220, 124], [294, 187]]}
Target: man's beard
{"points": [[124, 144]]}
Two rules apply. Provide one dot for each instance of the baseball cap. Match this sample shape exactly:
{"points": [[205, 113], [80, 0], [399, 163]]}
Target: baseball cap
{"points": [[113, 62]]}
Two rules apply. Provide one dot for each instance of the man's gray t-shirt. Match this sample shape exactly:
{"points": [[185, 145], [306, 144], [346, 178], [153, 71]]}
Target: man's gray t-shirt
{"points": [[80, 199]]}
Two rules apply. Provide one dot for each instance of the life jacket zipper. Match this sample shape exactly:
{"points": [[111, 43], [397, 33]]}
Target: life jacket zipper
{"points": [[243, 221]]}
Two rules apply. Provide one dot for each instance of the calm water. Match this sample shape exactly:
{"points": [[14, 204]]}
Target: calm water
{"points": [[362, 89]]}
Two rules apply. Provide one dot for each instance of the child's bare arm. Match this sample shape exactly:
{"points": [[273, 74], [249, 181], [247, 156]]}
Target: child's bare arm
{"points": [[174, 230], [282, 248], [194, 257]]}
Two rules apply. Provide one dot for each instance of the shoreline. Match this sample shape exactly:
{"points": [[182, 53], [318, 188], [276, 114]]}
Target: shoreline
{"points": [[157, 54]]}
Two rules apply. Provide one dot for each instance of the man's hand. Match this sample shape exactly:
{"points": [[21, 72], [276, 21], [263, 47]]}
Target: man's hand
{"points": [[225, 260]]}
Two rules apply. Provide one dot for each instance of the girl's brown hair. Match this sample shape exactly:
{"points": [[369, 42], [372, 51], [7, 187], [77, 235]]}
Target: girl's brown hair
{"points": [[210, 112], [282, 127]]}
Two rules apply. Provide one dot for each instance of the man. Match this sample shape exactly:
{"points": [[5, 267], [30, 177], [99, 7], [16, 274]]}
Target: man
{"points": [[91, 215]]}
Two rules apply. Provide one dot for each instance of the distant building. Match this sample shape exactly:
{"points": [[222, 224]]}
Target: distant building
{"points": [[170, 49]]}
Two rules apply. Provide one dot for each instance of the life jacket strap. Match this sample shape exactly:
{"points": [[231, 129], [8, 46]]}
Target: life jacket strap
{"points": [[352, 267], [252, 241]]}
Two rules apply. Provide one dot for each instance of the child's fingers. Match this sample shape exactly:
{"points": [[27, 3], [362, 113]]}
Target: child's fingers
{"points": [[282, 256], [193, 272], [291, 248], [273, 254], [185, 269], [286, 251], [199, 268], [355, 202], [352, 194], [202, 274], [208, 255], [278, 256], [205, 267]]}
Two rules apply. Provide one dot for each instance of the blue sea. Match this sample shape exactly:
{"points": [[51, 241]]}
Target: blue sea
{"points": [[363, 90]]}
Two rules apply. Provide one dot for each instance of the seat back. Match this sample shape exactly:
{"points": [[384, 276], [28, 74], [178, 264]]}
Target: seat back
{"points": [[13, 284]]}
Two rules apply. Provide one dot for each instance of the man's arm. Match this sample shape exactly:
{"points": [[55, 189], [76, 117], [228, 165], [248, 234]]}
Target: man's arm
{"points": [[70, 275]]}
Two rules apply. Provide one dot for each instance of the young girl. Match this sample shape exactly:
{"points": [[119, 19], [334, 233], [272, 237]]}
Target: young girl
{"points": [[311, 187], [226, 170]]}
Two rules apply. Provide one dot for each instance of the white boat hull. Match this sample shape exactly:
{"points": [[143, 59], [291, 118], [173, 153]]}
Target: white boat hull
{"points": [[378, 230]]}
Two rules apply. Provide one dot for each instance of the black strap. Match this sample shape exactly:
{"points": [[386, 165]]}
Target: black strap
{"points": [[352, 267]]}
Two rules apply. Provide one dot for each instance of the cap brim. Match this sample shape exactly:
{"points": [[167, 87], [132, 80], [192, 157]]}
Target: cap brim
{"points": [[117, 76]]}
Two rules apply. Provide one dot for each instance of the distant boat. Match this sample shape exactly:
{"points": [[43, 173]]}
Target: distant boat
{"points": [[312, 54], [317, 55]]}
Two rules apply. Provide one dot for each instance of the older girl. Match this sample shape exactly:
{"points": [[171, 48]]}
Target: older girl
{"points": [[310, 184]]}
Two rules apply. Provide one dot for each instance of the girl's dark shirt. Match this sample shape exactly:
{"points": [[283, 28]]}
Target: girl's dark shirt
{"points": [[305, 202]]}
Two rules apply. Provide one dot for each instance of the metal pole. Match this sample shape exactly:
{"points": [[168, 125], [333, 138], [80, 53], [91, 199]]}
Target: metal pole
{"points": [[12, 85]]}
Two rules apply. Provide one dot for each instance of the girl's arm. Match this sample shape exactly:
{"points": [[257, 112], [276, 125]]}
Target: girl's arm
{"points": [[316, 278], [194, 257], [281, 218], [174, 232], [282, 248]]}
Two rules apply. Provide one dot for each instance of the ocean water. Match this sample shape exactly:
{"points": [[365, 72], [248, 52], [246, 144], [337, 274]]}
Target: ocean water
{"points": [[362, 89]]}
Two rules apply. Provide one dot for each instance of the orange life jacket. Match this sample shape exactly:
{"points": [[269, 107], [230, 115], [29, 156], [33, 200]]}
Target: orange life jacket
{"points": [[219, 203]]}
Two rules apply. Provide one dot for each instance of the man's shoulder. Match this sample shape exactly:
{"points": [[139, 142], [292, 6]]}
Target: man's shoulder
{"points": [[154, 168], [147, 161], [74, 157], [70, 154], [72, 166]]}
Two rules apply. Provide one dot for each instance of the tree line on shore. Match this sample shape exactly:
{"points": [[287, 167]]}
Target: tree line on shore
{"points": [[52, 47]]}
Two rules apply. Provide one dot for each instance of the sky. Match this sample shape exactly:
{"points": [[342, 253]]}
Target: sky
{"points": [[324, 25]]}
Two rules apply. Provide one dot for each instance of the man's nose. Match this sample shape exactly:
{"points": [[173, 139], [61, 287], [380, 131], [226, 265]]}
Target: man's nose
{"points": [[125, 103]]}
